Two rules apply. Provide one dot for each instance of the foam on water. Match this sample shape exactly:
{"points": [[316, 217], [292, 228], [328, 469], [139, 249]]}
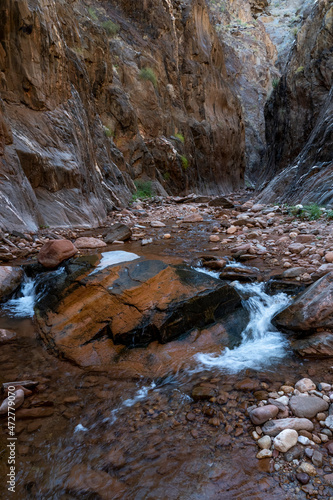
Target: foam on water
{"points": [[262, 343], [23, 303], [116, 257]]}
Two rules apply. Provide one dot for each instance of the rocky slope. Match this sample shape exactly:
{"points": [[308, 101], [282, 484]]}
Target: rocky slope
{"points": [[95, 94], [299, 117]]}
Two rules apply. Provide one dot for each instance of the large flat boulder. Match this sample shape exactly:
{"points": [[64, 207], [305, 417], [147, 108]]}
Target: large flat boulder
{"points": [[10, 279], [89, 318], [311, 310]]}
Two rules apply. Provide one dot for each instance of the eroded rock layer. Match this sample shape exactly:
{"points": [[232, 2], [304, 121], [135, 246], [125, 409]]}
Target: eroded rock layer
{"points": [[93, 96]]}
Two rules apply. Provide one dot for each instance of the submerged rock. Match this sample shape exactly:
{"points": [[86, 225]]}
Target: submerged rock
{"points": [[131, 304]]}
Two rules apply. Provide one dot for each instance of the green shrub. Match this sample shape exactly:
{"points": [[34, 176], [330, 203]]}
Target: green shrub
{"points": [[148, 74], [275, 83], [166, 176], [108, 132], [300, 69], [308, 212], [144, 189], [180, 137], [110, 27], [329, 214], [93, 14], [185, 162]]}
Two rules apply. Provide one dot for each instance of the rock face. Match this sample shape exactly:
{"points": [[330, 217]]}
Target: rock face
{"points": [[92, 98], [312, 309], [10, 279], [299, 117], [84, 318]]}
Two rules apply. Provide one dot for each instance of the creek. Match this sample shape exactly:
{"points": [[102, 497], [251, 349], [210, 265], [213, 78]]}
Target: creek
{"points": [[147, 433]]}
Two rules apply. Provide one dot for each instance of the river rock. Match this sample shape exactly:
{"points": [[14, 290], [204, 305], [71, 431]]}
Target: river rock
{"points": [[274, 427], [132, 303], [303, 478], [307, 406], [312, 309], [285, 440], [221, 201], [84, 481], [265, 453], [322, 270], [308, 469], [265, 442], [193, 218], [117, 232], [157, 223], [305, 385], [318, 345], [54, 252], [10, 280], [329, 422], [260, 415], [88, 242], [19, 400], [7, 336], [329, 257]]}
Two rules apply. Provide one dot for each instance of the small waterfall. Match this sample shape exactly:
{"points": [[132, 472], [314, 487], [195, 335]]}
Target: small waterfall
{"points": [[22, 304], [261, 342]]}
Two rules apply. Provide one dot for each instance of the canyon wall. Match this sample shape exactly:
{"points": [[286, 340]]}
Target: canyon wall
{"points": [[96, 94], [299, 123]]}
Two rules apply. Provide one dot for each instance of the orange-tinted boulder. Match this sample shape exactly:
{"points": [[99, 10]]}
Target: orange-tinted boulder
{"points": [[131, 304], [54, 252]]}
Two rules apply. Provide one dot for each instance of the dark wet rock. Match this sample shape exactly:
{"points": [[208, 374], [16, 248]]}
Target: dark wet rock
{"points": [[54, 252], [203, 392], [293, 453], [247, 384], [131, 304], [117, 232], [318, 345], [294, 272], [274, 427], [10, 280], [83, 480], [307, 406], [232, 273], [39, 412], [221, 201], [260, 415], [303, 478], [312, 309], [224, 440]]}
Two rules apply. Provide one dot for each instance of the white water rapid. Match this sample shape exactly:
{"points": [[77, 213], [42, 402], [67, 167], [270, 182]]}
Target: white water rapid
{"points": [[262, 343]]}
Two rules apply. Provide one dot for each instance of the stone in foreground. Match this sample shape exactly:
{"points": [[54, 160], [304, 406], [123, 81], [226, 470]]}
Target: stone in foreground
{"points": [[307, 406], [285, 440], [89, 317], [260, 415], [54, 252], [274, 427]]}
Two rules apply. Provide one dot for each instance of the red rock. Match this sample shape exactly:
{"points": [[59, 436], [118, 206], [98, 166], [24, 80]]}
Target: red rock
{"points": [[10, 279], [82, 480], [260, 415], [56, 251]]}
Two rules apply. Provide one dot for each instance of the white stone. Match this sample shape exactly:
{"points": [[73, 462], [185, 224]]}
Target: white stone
{"points": [[284, 400], [325, 387], [304, 440], [264, 454], [285, 440], [305, 385], [329, 422], [157, 223], [265, 442]]}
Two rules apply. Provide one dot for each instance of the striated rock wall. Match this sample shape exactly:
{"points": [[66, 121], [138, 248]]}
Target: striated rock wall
{"points": [[299, 117], [95, 94]]}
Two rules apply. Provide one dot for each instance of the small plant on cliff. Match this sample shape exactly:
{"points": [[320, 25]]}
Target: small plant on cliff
{"points": [[110, 27], [148, 74], [166, 176], [108, 132], [329, 214], [275, 83], [185, 162], [93, 14], [144, 189], [300, 69], [180, 137]]}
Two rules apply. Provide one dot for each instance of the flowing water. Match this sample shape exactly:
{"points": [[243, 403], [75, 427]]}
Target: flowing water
{"points": [[147, 433]]}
